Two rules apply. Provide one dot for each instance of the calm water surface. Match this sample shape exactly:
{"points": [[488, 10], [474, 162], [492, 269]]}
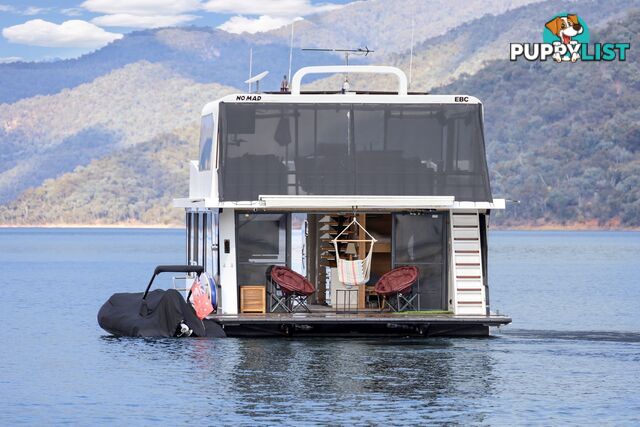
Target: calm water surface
{"points": [[572, 354]]}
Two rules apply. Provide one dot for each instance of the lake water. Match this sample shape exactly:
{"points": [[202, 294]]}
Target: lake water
{"points": [[572, 354]]}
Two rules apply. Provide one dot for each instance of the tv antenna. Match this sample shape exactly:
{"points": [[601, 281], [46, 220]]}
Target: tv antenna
{"points": [[359, 52], [256, 79], [411, 54]]}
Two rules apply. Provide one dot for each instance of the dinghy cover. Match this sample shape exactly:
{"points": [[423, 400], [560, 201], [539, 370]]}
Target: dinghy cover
{"points": [[159, 315]]}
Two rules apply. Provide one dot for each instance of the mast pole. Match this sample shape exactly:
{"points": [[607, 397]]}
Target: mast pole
{"points": [[291, 50], [411, 54], [250, 65]]}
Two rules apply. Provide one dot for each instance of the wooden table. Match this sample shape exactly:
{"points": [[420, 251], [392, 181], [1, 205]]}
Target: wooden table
{"points": [[253, 299]]}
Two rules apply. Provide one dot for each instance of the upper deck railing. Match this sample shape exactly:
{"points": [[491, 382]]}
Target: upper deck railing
{"points": [[333, 69]]}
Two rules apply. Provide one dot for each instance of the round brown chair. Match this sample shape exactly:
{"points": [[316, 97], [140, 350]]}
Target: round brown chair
{"points": [[397, 285], [292, 289]]}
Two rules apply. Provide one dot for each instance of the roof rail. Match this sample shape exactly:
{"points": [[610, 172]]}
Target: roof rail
{"points": [[331, 69], [337, 92]]}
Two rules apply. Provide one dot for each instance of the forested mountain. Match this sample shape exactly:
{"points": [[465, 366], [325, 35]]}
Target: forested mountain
{"points": [[203, 55], [210, 55], [134, 186], [45, 136], [561, 138], [385, 25], [470, 45], [564, 139], [86, 108]]}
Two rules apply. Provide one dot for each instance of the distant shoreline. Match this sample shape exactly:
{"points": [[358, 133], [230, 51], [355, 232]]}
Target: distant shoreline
{"points": [[97, 226], [577, 226], [552, 227], [543, 227]]}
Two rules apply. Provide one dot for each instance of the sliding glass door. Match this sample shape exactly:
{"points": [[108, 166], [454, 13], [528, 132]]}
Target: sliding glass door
{"points": [[421, 240], [262, 240]]}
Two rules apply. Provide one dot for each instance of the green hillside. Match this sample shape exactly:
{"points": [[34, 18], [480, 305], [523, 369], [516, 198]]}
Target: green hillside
{"points": [[564, 139], [385, 25], [153, 81], [45, 136], [205, 54], [471, 45], [135, 186]]}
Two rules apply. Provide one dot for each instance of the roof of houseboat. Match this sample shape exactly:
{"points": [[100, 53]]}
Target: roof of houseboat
{"points": [[297, 95], [339, 92]]}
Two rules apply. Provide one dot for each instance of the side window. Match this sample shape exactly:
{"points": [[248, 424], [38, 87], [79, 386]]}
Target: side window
{"points": [[206, 142]]}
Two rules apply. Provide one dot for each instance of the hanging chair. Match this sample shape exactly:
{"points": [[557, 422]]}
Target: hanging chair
{"points": [[354, 272]]}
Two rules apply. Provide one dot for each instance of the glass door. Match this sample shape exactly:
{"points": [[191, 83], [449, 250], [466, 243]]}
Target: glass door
{"points": [[261, 241], [421, 240]]}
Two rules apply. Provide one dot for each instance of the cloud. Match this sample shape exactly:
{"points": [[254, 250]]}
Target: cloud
{"points": [[72, 11], [73, 33], [273, 14], [138, 21], [241, 24], [32, 10], [10, 59], [29, 11], [142, 13], [142, 7], [271, 8]]}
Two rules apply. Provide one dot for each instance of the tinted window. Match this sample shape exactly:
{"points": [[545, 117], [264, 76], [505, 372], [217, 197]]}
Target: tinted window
{"points": [[206, 142], [363, 149]]}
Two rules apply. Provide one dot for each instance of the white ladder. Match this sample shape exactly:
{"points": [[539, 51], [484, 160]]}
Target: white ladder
{"points": [[468, 278]]}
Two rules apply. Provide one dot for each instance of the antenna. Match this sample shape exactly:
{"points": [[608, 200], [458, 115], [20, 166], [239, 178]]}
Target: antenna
{"points": [[250, 66], [256, 79], [411, 54], [359, 51], [291, 49]]}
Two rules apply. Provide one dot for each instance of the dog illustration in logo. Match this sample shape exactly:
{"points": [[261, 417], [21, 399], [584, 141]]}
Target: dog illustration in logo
{"points": [[565, 28]]}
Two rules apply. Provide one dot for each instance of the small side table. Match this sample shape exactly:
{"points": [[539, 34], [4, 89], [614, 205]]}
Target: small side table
{"points": [[346, 301], [252, 299]]}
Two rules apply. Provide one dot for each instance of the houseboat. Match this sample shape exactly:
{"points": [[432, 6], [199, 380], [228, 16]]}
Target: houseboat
{"points": [[343, 213]]}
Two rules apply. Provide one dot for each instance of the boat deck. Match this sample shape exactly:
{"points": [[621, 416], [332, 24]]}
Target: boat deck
{"points": [[368, 323]]}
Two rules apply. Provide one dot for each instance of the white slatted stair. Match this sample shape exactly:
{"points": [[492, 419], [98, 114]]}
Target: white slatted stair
{"points": [[468, 281]]}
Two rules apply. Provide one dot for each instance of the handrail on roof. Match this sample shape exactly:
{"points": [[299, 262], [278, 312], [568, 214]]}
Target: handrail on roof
{"points": [[331, 69]]}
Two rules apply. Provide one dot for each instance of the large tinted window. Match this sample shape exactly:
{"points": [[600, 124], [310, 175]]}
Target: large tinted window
{"points": [[363, 149], [206, 142]]}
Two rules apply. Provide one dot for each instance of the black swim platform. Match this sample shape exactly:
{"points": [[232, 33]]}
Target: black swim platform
{"points": [[365, 324]]}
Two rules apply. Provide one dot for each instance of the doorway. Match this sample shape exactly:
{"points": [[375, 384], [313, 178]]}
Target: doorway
{"points": [[421, 240], [261, 241]]}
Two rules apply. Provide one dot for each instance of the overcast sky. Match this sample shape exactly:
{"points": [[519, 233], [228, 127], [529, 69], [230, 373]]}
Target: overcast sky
{"points": [[35, 30]]}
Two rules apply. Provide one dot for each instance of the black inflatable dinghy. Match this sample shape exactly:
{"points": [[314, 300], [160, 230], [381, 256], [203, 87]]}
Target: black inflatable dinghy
{"points": [[160, 313]]}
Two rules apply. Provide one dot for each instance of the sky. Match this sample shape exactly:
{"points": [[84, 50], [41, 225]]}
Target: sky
{"points": [[44, 30]]}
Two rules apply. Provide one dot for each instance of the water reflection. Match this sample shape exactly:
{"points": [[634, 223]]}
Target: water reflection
{"points": [[360, 381], [319, 381], [345, 376]]}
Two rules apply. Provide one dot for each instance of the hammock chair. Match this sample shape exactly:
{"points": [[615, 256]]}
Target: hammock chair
{"points": [[355, 272]]}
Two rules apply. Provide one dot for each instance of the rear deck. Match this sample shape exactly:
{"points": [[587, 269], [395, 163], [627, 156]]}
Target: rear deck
{"points": [[364, 324]]}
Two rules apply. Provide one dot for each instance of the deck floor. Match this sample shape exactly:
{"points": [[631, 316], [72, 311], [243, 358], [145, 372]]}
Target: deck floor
{"points": [[370, 317]]}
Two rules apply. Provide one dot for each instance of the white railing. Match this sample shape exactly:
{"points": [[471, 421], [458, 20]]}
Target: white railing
{"points": [[333, 69], [356, 202]]}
